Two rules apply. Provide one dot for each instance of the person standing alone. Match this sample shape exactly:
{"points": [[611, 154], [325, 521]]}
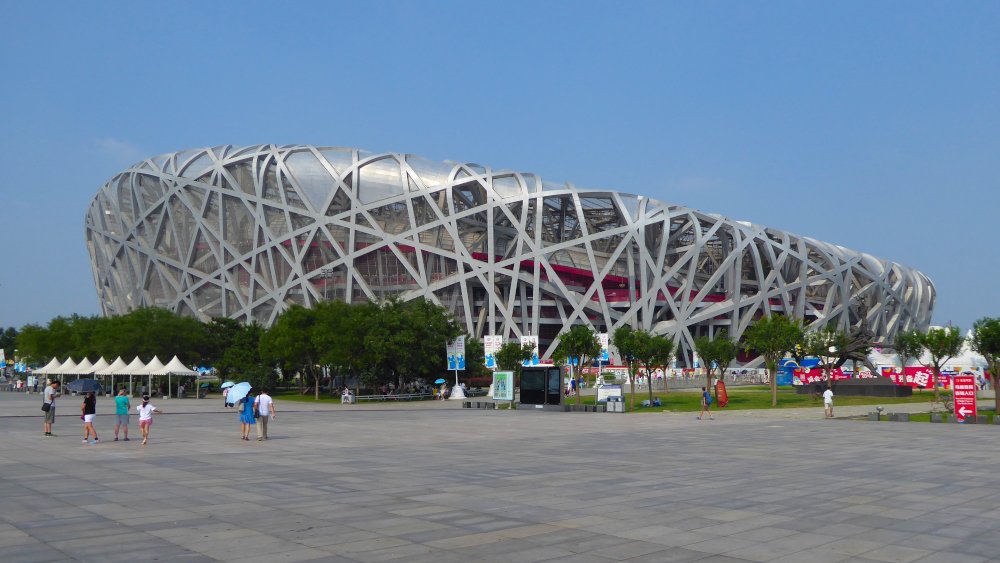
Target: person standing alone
{"points": [[706, 401], [49, 406], [828, 403], [264, 405], [122, 406]]}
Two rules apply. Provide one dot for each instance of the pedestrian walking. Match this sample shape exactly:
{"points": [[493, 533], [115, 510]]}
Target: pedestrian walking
{"points": [[88, 410], [264, 406], [706, 402], [146, 411], [246, 415], [122, 407], [828, 403], [49, 406]]}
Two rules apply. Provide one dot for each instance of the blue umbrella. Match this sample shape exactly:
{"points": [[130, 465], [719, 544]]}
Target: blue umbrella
{"points": [[237, 392], [84, 386], [226, 384], [439, 381]]}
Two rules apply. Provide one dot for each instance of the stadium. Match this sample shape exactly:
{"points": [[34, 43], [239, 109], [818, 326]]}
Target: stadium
{"points": [[244, 232]]}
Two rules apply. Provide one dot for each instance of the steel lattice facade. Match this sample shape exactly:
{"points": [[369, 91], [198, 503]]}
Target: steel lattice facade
{"points": [[243, 232]]}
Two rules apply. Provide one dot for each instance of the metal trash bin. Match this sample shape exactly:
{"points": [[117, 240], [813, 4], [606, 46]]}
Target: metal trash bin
{"points": [[615, 404]]}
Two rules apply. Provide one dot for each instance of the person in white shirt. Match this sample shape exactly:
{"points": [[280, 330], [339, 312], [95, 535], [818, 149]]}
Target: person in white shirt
{"points": [[264, 405], [146, 411], [828, 403]]}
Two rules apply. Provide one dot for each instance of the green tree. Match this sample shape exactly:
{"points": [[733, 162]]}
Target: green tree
{"points": [[340, 333], [408, 340], [580, 344], [986, 341], [717, 353], [908, 344], [287, 344], [220, 334], [941, 344], [512, 355], [32, 342], [628, 341], [772, 337], [8, 341], [242, 356], [826, 345], [653, 351], [475, 359], [148, 332]]}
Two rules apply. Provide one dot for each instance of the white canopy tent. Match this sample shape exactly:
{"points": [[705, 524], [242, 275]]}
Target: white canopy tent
{"points": [[49, 367], [100, 365], [67, 367], [134, 367], [113, 370], [83, 368], [154, 367], [176, 367]]}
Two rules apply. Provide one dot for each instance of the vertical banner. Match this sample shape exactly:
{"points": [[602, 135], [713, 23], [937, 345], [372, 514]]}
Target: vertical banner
{"points": [[503, 386], [964, 389], [456, 353], [604, 357], [491, 345], [533, 342]]}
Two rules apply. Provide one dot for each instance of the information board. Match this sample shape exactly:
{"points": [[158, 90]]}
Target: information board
{"points": [[964, 389], [503, 386]]}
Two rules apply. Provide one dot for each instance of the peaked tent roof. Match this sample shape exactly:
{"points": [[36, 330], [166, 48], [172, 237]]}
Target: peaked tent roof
{"points": [[154, 367], [112, 369], [49, 367], [176, 367], [135, 367], [67, 367], [100, 365], [84, 367]]}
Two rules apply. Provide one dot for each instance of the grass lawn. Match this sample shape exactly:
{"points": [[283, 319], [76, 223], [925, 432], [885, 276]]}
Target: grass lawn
{"points": [[758, 398]]}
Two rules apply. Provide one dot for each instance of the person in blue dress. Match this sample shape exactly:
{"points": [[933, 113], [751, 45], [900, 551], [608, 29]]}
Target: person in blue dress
{"points": [[247, 419]]}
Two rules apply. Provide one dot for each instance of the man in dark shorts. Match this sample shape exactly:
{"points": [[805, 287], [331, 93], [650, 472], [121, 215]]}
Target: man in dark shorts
{"points": [[49, 398]]}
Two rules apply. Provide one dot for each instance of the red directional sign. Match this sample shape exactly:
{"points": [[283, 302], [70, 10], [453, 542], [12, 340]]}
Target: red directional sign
{"points": [[964, 388]]}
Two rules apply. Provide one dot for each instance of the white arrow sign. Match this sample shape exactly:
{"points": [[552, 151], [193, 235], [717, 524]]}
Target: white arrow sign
{"points": [[963, 411]]}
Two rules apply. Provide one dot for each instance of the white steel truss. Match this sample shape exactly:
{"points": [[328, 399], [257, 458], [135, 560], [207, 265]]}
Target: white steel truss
{"points": [[243, 232]]}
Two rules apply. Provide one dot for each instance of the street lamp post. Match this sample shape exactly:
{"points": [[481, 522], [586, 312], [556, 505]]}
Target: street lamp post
{"points": [[327, 275]]}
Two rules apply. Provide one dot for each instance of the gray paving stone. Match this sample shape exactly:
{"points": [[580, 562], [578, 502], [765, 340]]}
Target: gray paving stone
{"points": [[401, 483]]}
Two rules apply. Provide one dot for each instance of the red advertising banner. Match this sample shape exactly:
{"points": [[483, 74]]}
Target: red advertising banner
{"points": [[918, 377], [809, 376], [964, 388], [720, 393]]}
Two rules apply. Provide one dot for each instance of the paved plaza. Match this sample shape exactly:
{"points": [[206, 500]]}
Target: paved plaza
{"points": [[430, 482]]}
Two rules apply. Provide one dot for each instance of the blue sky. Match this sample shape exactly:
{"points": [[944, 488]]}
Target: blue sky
{"points": [[873, 125]]}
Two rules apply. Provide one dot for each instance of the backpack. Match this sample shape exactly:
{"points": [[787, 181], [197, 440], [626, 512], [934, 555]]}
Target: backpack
{"points": [[708, 398]]}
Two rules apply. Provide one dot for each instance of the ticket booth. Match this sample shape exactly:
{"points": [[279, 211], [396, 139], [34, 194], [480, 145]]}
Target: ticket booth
{"points": [[541, 385]]}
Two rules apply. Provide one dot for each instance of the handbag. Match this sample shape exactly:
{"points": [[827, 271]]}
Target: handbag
{"points": [[46, 407]]}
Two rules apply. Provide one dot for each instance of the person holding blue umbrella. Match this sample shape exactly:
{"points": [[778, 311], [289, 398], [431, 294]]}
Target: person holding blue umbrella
{"points": [[247, 416]]}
